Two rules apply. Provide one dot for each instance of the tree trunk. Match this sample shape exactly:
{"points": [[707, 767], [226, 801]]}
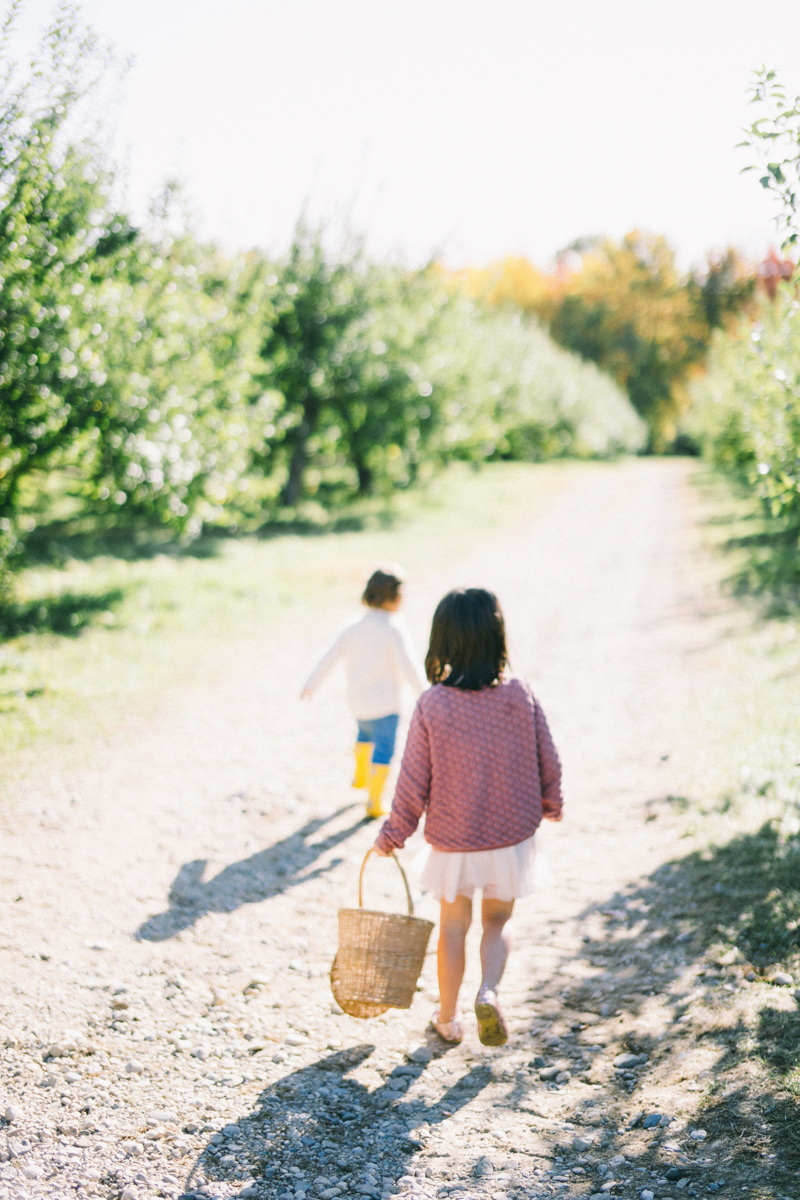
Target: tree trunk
{"points": [[365, 478], [293, 488]]}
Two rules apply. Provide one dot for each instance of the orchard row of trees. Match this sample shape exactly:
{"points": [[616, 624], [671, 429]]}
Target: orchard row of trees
{"points": [[146, 377], [628, 308], [746, 407]]}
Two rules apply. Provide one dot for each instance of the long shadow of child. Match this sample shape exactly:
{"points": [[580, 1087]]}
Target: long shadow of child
{"points": [[316, 1125]]}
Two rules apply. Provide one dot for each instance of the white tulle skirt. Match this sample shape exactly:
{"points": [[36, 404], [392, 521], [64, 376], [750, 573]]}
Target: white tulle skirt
{"points": [[505, 874]]}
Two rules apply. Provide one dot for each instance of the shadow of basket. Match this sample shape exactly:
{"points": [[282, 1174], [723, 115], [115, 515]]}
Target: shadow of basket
{"points": [[380, 955]]}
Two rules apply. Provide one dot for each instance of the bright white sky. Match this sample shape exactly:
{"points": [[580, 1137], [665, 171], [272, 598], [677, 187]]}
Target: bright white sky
{"points": [[469, 129]]}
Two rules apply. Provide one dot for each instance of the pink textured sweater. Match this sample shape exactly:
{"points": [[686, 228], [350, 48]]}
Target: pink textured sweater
{"points": [[481, 765]]}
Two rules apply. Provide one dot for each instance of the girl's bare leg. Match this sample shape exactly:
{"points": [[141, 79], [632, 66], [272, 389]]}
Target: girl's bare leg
{"points": [[451, 956], [495, 945], [496, 942]]}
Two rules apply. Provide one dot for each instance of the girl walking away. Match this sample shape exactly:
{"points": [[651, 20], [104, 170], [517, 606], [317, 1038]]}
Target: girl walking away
{"points": [[379, 658], [480, 763]]}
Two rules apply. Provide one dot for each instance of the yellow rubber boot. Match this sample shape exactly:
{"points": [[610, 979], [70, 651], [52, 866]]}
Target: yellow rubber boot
{"points": [[363, 753], [377, 781]]}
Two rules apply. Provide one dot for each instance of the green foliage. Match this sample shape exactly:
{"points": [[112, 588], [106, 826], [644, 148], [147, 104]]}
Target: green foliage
{"points": [[506, 391], [747, 408], [174, 437], [746, 412], [724, 290], [627, 308], [386, 373], [340, 353], [775, 138], [56, 236]]}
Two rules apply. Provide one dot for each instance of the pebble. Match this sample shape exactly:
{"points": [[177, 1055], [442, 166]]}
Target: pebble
{"points": [[626, 1060], [652, 1121], [582, 1142], [424, 1054], [13, 1113], [699, 1135], [553, 1040], [563, 1077], [134, 1067], [646, 1194], [783, 978], [549, 1072], [295, 1039]]}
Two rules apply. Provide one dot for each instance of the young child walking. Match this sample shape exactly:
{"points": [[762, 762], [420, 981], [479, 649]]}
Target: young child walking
{"points": [[379, 657], [480, 763]]}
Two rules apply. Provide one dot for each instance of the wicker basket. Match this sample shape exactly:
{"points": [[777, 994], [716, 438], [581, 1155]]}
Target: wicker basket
{"points": [[380, 956]]}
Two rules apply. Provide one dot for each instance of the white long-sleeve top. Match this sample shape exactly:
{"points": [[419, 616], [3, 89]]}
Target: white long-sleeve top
{"points": [[379, 657]]}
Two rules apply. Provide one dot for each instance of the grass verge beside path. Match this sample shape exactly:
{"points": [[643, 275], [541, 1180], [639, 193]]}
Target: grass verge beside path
{"points": [[102, 638], [697, 966]]}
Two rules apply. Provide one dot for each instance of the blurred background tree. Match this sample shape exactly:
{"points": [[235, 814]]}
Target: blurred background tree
{"points": [[626, 307]]}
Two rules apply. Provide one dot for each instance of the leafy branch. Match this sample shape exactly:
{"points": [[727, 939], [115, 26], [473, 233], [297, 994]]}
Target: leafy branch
{"points": [[775, 138]]}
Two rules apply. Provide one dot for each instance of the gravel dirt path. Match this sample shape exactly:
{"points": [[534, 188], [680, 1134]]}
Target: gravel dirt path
{"points": [[169, 916]]}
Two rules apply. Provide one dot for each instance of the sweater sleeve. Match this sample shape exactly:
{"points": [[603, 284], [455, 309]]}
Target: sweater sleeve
{"points": [[326, 664], [413, 787], [408, 665], [549, 767]]}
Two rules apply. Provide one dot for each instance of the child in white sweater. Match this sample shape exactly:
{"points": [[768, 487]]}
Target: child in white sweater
{"points": [[379, 658]]}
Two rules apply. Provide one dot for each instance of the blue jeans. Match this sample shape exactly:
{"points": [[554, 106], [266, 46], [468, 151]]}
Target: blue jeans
{"points": [[381, 732]]}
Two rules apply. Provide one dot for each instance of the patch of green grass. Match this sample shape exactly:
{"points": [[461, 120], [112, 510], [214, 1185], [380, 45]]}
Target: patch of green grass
{"points": [[763, 555], [742, 764]]}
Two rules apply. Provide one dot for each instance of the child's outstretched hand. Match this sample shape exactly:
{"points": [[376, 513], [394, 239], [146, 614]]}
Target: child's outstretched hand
{"points": [[306, 694], [382, 853]]}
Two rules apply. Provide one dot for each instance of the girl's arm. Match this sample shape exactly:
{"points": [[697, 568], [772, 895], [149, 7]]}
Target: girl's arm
{"points": [[324, 666], [413, 787], [549, 767]]}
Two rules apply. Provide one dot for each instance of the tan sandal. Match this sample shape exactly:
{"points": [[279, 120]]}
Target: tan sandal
{"points": [[492, 1028], [449, 1031]]}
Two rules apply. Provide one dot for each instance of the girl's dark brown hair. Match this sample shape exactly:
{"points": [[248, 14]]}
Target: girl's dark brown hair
{"points": [[383, 585], [468, 640]]}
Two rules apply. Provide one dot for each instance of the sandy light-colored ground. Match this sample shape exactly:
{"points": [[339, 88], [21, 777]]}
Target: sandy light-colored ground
{"points": [[169, 917]]}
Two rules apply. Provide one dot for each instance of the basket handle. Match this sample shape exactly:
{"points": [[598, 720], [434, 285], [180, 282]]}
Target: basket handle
{"points": [[400, 869]]}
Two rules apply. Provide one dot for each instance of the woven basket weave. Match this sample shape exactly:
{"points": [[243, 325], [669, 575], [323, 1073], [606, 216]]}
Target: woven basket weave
{"points": [[380, 956]]}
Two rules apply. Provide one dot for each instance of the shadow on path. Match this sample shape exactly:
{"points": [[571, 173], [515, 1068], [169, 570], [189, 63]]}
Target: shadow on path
{"points": [[684, 982], [259, 877], [67, 613], [320, 1126]]}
